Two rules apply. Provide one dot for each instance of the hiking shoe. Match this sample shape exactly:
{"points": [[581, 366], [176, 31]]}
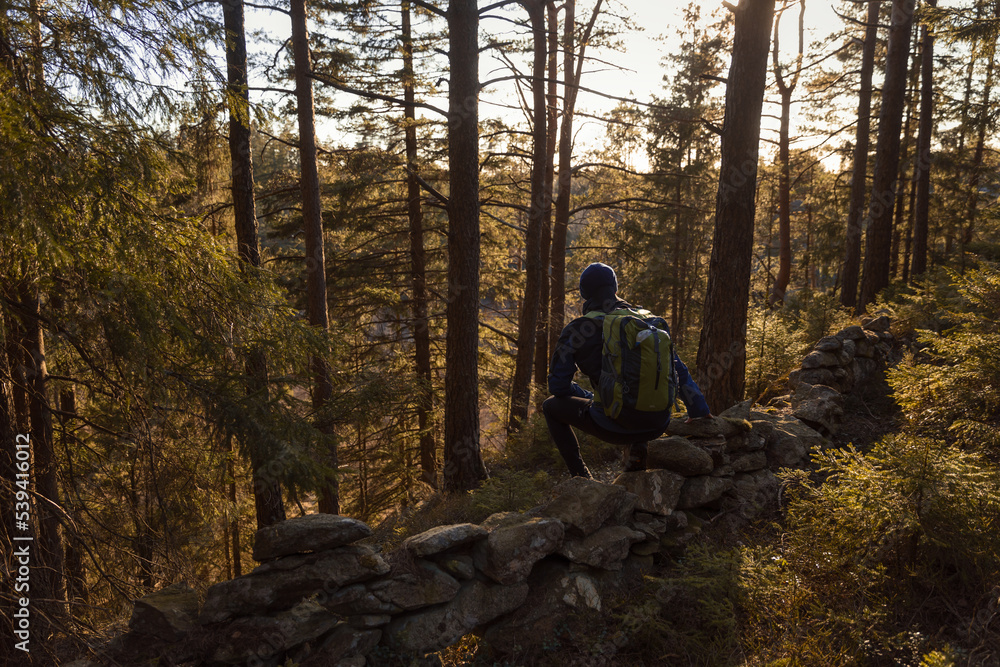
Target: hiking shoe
{"points": [[635, 457]]}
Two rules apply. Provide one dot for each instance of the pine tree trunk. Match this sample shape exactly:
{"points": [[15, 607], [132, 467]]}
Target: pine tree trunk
{"points": [[48, 575], [784, 205], [418, 263], [785, 90], [976, 168], [76, 581], [551, 128], [233, 529], [677, 288], [859, 174], [902, 227], [573, 72], [9, 431], [557, 306], [528, 318], [923, 154], [463, 461], [879, 236], [722, 351], [906, 225], [267, 490], [312, 222]]}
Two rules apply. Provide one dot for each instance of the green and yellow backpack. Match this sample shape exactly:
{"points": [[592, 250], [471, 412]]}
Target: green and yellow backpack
{"points": [[638, 384]]}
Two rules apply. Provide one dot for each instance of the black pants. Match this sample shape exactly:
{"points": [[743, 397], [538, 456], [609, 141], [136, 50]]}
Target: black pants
{"points": [[563, 412]]}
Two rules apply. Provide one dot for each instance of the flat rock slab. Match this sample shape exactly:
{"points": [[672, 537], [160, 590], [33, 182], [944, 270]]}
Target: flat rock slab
{"points": [[789, 441], [656, 491], [344, 646], [819, 406], [167, 614], [257, 639], [558, 589], [749, 461], [678, 455], [585, 504], [854, 333], [878, 324], [511, 551], [460, 566], [707, 427], [427, 585], [443, 538], [282, 583], [819, 359], [606, 548], [829, 344], [302, 534], [739, 412], [700, 491], [438, 627]]}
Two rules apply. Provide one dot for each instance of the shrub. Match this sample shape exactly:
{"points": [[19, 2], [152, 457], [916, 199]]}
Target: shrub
{"points": [[891, 543]]}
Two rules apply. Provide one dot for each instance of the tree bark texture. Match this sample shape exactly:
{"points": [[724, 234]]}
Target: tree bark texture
{"points": [[463, 462], [551, 131], [572, 74], [859, 172], [48, 575], [267, 490], [557, 284], [902, 226], [312, 223], [528, 318], [785, 90], [923, 154], [722, 351], [418, 264], [976, 168], [884, 182]]}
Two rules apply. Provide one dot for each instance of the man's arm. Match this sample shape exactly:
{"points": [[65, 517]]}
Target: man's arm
{"points": [[562, 367], [689, 392]]}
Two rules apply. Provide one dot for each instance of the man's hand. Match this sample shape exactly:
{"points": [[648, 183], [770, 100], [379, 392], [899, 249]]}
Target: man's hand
{"points": [[691, 419]]}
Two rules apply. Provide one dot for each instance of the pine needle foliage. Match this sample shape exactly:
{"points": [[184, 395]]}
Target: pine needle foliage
{"points": [[894, 541], [957, 395], [895, 555]]}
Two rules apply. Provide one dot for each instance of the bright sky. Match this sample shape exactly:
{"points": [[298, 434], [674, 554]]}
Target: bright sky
{"points": [[640, 71], [662, 18], [643, 59]]}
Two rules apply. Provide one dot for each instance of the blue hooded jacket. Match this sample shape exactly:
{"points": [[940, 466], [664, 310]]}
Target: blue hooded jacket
{"points": [[579, 347]]}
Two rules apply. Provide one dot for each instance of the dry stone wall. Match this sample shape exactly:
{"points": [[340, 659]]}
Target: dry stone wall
{"points": [[323, 594]]}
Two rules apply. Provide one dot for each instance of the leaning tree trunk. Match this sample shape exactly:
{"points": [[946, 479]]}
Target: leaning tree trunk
{"points": [[923, 163], [528, 319], [463, 461], [418, 263], [722, 351], [267, 490], [879, 236], [859, 173]]}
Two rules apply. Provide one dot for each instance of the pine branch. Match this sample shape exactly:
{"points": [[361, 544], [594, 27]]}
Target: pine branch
{"points": [[333, 83]]}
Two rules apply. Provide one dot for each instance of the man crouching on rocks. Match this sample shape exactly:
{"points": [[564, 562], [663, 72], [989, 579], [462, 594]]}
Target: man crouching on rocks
{"points": [[581, 345]]}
